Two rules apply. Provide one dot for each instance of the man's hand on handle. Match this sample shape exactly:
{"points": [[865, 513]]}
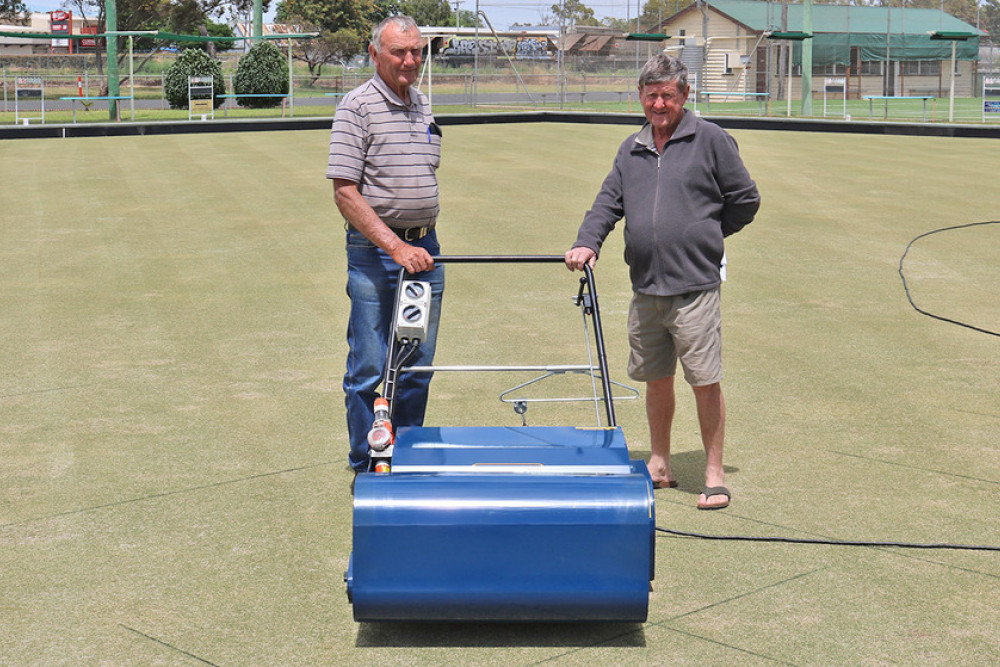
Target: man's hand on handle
{"points": [[578, 256], [412, 258]]}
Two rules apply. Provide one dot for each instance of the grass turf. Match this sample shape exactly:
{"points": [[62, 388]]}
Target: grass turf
{"points": [[173, 486]]}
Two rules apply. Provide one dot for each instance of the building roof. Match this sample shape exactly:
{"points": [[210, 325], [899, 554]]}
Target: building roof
{"points": [[839, 29], [595, 42], [763, 16]]}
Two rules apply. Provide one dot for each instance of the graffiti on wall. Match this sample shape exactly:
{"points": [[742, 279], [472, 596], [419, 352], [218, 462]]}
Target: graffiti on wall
{"points": [[519, 48]]}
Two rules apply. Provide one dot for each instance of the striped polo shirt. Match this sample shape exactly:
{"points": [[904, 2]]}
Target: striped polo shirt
{"points": [[391, 150]]}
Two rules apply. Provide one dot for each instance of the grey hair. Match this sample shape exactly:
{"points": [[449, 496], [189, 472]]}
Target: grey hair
{"points": [[664, 68], [402, 24]]}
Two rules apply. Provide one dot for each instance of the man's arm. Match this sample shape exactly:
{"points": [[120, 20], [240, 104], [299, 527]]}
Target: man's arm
{"points": [[741, 199], [363, 218], [602, 217]]}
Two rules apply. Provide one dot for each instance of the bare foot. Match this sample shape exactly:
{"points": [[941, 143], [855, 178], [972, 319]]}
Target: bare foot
{"points": [[659, 471]]}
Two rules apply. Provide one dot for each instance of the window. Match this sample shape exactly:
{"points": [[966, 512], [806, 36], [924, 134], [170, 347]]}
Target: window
{"points": [[833, 69], [921, 68], [872, 67]]}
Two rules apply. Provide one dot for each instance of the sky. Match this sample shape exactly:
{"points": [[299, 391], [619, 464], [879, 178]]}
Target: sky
{"points": [[502, 13]]}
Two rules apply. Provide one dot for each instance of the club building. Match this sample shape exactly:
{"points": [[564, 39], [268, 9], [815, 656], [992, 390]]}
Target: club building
{"points": [[729, 45]]}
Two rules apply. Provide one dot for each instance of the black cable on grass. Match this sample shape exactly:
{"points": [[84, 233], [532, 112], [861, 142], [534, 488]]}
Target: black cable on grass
{"points": [[860, 543], [837, 543], [907, 289]]}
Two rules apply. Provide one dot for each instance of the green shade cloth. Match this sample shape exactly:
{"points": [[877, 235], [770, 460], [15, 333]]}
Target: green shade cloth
{"points": [[839, 28]]}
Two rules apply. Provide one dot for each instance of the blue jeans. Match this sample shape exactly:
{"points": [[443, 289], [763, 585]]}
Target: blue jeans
{"points": [[372, 277]]}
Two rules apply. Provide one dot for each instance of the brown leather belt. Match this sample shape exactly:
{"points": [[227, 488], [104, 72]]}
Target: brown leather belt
{"points": [[412, 233]]}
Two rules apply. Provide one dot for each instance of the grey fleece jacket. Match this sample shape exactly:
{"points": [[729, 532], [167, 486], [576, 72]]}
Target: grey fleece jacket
{"points": [[677, 206]]}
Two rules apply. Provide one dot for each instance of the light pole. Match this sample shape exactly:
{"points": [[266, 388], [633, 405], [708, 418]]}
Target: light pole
{"points": [[954, 38], [791, 37]]}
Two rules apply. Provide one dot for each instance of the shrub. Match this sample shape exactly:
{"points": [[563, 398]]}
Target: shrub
{"points": [[262, 70], [192, 62]]}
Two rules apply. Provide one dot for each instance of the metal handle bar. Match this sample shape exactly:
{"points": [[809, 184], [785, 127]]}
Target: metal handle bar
{"points": [[553, 368], [499, 259], [594, 311]]}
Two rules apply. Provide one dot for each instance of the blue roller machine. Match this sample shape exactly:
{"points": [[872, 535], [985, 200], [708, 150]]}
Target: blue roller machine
{"points": [[485, 523]]}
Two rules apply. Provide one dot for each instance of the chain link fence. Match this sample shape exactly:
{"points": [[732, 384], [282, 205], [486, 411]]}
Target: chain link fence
{"points": [[590, 83]]}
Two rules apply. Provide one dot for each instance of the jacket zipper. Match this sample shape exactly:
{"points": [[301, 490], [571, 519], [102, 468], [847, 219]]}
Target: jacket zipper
{"points": [[656, 206]]}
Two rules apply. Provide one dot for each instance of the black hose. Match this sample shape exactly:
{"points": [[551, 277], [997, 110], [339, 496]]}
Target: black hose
{"points": [[839, 543], [907, 289]]}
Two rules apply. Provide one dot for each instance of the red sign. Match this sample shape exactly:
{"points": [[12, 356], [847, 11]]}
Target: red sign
{"points": [[88, 42], [61, 22]]}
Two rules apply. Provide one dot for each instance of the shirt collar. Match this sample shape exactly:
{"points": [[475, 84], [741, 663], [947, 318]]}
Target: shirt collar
{"points": [[685, 128], [390, 95]]}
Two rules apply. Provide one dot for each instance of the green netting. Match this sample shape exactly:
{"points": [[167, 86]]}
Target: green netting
{"points": [[171, 37], [44, 35], [839, 28], [829, 49]]}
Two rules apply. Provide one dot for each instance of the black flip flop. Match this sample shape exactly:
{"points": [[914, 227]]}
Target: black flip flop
{"points": [[710, 491]]}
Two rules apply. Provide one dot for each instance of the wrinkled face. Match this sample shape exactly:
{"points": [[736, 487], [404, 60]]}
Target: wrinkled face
{"points": [[398, 61], [663, 104]]}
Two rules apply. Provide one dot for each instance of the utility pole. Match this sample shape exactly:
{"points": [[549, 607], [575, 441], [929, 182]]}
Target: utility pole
{"points": [[458, 14]]}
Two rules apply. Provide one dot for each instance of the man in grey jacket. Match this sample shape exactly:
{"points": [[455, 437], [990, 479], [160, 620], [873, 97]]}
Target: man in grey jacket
{"points": [[681, 187]]}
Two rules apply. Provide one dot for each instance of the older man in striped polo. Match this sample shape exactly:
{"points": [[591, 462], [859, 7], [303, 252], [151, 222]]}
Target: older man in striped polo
{"points": [[385, 149]]}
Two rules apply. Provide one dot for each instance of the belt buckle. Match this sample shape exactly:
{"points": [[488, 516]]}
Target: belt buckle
{"points": [[414, 233]]}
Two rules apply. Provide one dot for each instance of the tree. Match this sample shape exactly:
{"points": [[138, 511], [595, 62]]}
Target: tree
{"points": [[654, 12], [192, 62], [328, 15], [262, 71], [381, 9], [239, 8], [220, 30], [571, 13], [429, 12], [989, 19], [195, 16], [618, 25], [424, 12], [329, 47], [467, 19], [344, 44]]}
